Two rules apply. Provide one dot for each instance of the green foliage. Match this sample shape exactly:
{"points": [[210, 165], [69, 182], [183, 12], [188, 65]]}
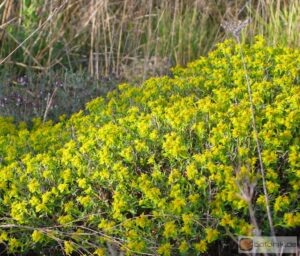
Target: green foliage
{"points": [[166, 168]]}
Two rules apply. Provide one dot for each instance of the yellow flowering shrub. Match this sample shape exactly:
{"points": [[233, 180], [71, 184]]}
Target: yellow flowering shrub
{"points": [[166, 168]]}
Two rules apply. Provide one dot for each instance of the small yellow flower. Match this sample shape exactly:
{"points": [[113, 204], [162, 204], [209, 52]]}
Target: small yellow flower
{"points": [[33, 186], [3, 236], [65, 219], [47, 174], [68, 206], [37, 236], [281, 203], [13, 244], [186, 229], [170, 229], [40, 207], [46, 197], [272, 186], [194, 198], [34, 201], [142, 221], [178, 204], [211, 234], [191, 171], [82, 183], [292, 220], [174, 176], [62, 187], [183, 247], [227, 220], [19, 211], [165, 249], [66, 175], [100, 252], [68, 247], [106, 225], [84, 200], [201, 246], [201, 182]]}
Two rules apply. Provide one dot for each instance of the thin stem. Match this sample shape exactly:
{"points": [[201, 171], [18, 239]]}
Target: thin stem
{"points": [[257, 140]]}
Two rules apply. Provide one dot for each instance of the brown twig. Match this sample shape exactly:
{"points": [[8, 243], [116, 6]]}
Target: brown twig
{"points": [[49, 103]]}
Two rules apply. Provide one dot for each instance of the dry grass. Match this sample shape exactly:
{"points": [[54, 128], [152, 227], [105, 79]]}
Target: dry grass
{"points": [[122, 37]]}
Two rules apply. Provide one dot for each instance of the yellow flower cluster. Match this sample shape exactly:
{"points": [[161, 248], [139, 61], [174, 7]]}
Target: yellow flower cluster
{"points": [[144, 167]]}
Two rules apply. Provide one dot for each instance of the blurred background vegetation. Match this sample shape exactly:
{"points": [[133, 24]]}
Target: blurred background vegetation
{"points": [[55, 55]]}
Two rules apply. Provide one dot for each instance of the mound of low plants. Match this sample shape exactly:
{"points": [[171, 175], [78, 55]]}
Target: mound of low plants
{"points": [[169, 168]]}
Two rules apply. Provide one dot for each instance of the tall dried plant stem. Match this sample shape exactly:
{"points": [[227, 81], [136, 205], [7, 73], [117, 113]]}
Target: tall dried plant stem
{"points": [[49, 103], [92, 41], [55, 12], [257, 140], [120, 41]]}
